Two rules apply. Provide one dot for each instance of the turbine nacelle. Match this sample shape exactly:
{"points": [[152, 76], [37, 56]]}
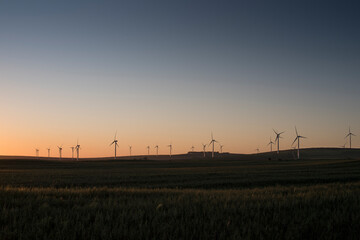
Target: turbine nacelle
{"points": [[278, 135]]}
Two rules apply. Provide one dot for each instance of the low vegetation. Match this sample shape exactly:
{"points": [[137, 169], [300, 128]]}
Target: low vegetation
{"points": [[180, 200]]}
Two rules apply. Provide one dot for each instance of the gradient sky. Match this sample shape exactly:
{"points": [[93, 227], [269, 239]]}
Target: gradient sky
{"points": [[173, 71]]}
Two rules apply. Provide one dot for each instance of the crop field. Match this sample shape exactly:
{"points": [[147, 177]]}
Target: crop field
{"points": [[182, 199]]}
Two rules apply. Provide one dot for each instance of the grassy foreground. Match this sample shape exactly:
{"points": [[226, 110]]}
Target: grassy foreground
{"points": [[180, 200], [328, 211]]}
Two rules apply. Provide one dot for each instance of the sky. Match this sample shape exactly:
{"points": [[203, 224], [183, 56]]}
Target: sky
{"points": [[161, 72]]}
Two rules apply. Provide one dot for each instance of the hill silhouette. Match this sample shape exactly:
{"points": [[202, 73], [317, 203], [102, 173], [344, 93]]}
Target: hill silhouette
{"points": [[284, 155]]}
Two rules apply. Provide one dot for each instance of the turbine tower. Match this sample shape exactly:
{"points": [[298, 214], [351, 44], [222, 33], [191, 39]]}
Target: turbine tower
{"points": [[157, 150], [257, 150], [48, 152], [277, 139], [115, 142], [130, 147], [77, 147], [170, 148], [37, 152], [271, 143], [204, 149], [349, 136], [60, 150], [298, 140], [148, 148], [213, 141], [192, 148]]}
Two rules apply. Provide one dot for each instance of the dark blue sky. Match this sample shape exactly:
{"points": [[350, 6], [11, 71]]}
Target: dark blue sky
{"points": [[298, 58]]}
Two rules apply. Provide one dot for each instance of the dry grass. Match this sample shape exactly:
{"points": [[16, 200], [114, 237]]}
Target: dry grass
{"points": [[180, 200]]}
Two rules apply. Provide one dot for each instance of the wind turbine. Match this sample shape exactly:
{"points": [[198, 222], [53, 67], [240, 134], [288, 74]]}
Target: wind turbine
{"points": [[77, 147], [213, 141], [157, 150], [349, 136], [170, 148], [72, 153], [130, 147], [221, 148], [277, 139], [298, 140], [271, 143], [115, 142], [257, 150], [148, 148], [204, 148], [192, 148], [60, 150], [48, 152], [37, 152]]}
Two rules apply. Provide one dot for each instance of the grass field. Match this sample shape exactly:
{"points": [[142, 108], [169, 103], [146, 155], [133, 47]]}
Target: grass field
{"points": [[192, 199]]}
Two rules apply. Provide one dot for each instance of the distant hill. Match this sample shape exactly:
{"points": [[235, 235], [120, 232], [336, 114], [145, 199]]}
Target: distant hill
{"points": [[306, 154]]}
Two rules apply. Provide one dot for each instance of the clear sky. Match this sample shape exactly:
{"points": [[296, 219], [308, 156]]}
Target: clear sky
{"points": [[173, 71]]}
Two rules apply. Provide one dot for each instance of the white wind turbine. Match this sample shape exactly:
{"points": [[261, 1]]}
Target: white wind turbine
{"points": [[349, 136], [148, 150], [115, 142], [213, 141], [204, 149], [192, 148], [37, 152], [170, 148], [48, 152], [77, 147], [271, 143], [277, 139], [157, 150], [60, 151], [298, 140], [130, 148], [221, 148]]}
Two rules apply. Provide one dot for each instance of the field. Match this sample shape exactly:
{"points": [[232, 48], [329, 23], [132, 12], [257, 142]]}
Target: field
{"points": [[180, 199]]}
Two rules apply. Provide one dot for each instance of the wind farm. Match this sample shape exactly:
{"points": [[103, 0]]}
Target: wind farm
{"points": [[179, 120], [215, 153]]}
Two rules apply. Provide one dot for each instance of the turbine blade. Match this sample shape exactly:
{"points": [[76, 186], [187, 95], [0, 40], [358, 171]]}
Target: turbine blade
{"points": [[294, 141]]}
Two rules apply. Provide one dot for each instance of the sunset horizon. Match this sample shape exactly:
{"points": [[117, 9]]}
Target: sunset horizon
{"points": [[84, 71], [199, 119]]}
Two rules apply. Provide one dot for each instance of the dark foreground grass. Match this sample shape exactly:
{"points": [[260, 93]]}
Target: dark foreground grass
{"points": [[197, 199], [325, 211], [198, 174]]}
